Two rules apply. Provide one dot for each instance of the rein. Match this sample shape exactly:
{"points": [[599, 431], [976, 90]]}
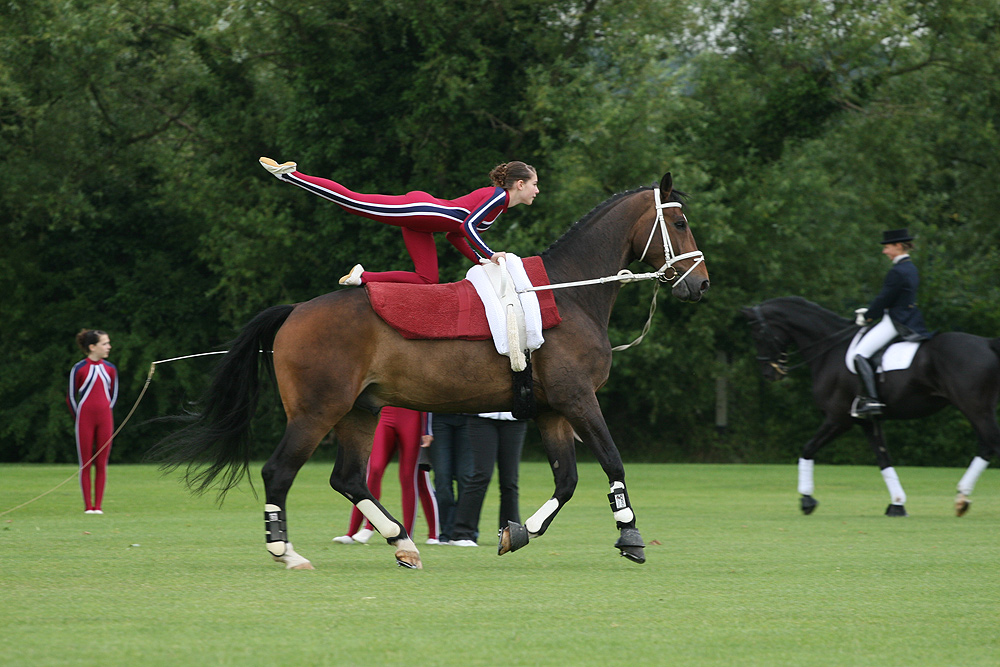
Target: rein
{"points": [[779, 362]]}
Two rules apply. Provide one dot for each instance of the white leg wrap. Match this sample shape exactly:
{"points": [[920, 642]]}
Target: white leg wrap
{"points": [[806, 476], [896, 492], [537, 520], [971, 476], [383, 524]]}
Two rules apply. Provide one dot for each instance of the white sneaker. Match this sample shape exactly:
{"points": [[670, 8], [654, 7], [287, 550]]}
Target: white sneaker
{"points": [[433, 540], [89, 512], [354, 277], [363, 535], [344, 539], [96, 512], [277, 169], [463, 543]]}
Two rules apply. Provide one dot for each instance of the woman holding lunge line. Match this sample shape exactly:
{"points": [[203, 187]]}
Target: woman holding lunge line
{"points": [[419, 215]]}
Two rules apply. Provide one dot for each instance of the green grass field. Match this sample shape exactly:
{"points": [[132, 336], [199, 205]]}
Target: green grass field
{"points": [[735, 575]]}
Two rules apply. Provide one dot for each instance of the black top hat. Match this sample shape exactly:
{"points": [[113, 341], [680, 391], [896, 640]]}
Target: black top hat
{"points": [[896, 236]]}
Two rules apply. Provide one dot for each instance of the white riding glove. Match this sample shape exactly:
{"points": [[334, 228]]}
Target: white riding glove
{"points": [[859, 316]]}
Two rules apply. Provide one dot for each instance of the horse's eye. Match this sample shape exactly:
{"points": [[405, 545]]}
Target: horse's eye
{"points": [[680, 224]]}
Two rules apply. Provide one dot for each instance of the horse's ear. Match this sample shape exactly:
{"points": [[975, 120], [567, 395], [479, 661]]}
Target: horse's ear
{"points": [[666, 186]]}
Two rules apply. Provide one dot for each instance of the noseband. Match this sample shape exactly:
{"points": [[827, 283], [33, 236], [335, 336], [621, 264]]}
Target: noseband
{"points": [[669, 257]]}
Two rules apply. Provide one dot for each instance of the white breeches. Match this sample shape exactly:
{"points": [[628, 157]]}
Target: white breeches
{"points": [[877, 337]]}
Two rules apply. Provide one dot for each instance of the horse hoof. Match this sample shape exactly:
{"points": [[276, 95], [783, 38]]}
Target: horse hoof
{"points": [[631, 545], [808, 504], [634, 554], [962, 502], [409, 559], [896, 510], [512, 538]]}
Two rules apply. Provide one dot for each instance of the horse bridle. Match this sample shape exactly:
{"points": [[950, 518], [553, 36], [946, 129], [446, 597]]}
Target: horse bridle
{"points": [[669, 257], [779, 361]]}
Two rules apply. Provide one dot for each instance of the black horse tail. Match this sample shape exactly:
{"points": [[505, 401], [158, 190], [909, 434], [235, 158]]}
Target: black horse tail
{"points": [[219, 437]]}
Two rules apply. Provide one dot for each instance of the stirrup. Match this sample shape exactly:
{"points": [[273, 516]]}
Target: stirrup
{"points": [[865, 408]]}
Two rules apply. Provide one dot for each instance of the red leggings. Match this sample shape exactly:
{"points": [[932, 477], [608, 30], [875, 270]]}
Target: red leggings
{"points": [[93, 429], [399, 429]]}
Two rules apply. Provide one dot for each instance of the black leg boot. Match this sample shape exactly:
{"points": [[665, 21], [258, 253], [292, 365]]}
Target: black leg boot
{"points": [[866, 405]]}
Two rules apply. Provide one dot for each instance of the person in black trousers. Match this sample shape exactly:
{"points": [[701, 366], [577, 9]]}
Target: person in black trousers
{"points": [[496, 438]]}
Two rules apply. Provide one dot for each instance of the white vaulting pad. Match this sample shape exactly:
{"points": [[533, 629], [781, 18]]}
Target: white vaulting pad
{"points": [[897, 357]]}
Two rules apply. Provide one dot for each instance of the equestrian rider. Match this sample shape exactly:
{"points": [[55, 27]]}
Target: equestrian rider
{"points": [[896, 305], [420, 215]]}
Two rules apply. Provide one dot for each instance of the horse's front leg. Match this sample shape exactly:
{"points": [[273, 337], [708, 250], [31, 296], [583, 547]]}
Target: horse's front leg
{"points": [[588, 421], [830, 429], [876, 438], [297, 445], [355, 433], [557, 438]]}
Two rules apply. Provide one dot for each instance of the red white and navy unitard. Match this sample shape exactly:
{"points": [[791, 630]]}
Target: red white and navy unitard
{"points": [[400, 429], [93, 391], [419, 215]]}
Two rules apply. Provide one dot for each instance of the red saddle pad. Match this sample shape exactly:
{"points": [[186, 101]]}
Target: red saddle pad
{"points": [[450, 311]]}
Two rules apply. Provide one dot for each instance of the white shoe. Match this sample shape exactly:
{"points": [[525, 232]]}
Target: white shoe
{"points": [[463, 543], [96, 512], [89, 512], [354, 277], [344, 539], [277, 169], [433, 540], [363, 535]]}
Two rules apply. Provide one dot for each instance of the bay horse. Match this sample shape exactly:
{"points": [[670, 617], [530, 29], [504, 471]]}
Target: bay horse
{"points": [[336, 364], [952, 368]]}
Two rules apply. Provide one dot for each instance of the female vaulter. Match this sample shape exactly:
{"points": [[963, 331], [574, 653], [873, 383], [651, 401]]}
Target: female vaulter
{"points": [[93, 391], [419, 215]]}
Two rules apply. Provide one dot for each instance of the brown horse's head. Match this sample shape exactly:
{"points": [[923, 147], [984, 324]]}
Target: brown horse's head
{"points": [[678, 258]]}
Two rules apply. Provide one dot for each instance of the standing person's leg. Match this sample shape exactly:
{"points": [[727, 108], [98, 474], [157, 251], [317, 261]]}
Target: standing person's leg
{"points": [[483, 440], [422, 251], [449, 437], [511, 442], [85, 436], [429, 504], [104, 428], [406, 424]]}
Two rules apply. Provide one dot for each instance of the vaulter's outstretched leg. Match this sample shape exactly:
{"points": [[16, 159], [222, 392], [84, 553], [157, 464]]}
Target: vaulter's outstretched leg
{"points": [[354, 435]]}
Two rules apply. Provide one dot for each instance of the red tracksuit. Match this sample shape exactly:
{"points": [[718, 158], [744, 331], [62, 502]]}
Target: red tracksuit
{"points": [[93, 390], [400, 429], [419, 215]]}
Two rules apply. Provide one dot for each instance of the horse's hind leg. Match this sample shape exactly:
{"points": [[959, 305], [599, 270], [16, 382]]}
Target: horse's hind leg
{"points": [[298, 443], [354, 438], [557, 437], [989, 446]]}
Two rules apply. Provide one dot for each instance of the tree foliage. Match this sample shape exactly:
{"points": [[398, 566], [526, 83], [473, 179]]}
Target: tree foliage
{"points": [[801, 129]]}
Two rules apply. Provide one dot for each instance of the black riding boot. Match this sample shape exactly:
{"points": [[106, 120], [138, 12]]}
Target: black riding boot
{"points": [[866, 404]]}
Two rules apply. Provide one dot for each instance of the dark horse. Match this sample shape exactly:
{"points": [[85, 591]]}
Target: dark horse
{"points": [[337, 363], [954, 368]]}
